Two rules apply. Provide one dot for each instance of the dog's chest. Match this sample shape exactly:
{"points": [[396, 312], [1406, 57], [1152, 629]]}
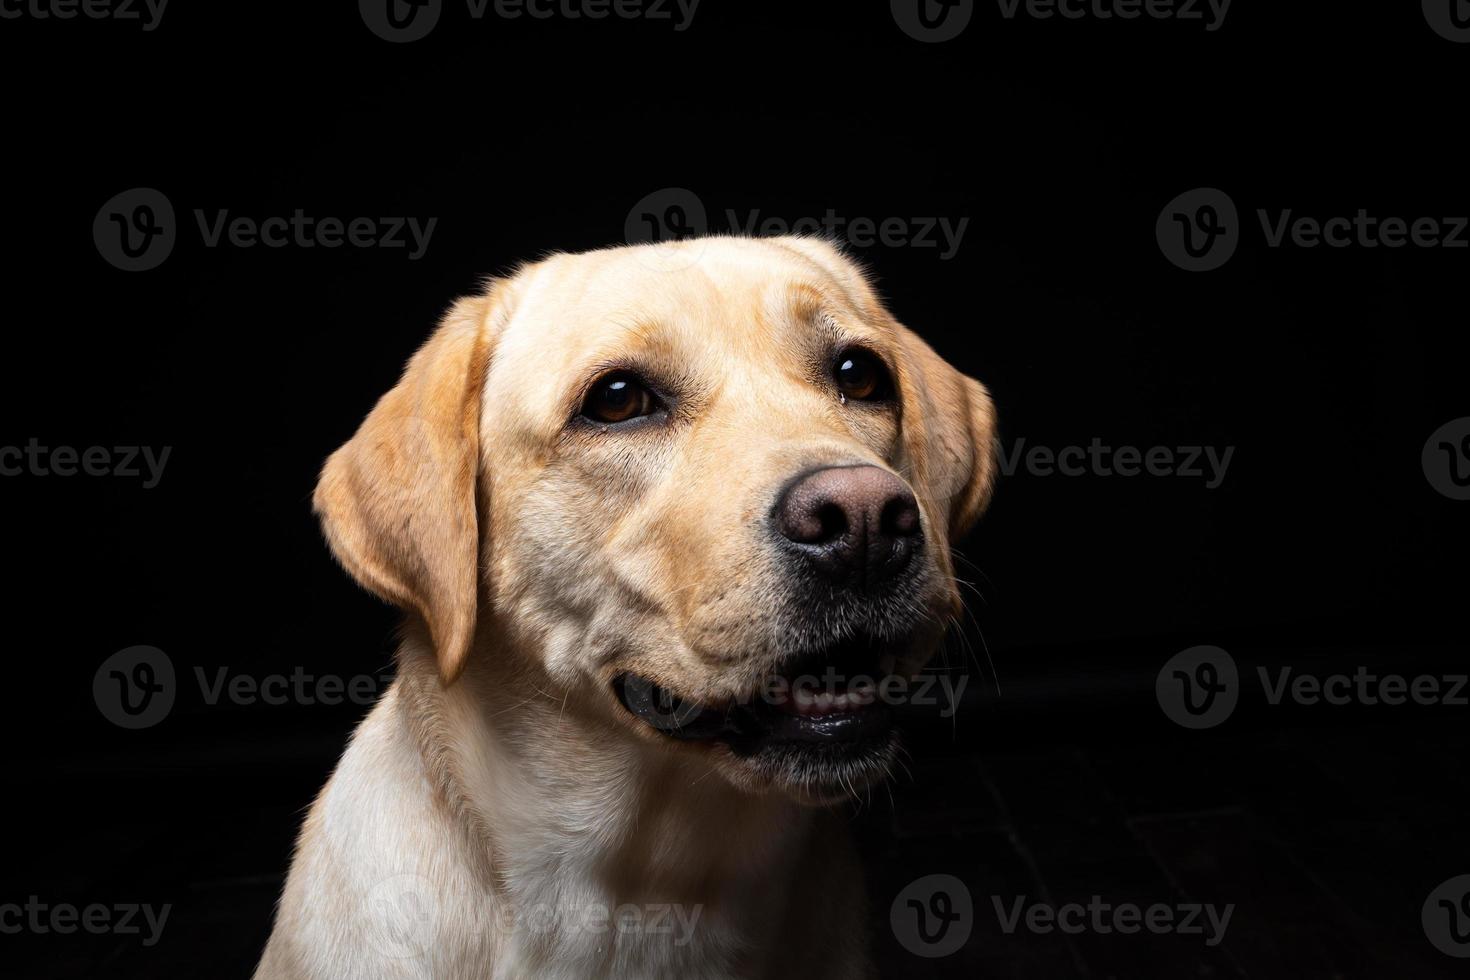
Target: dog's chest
{"points": [[626, 941], [574, 919]]}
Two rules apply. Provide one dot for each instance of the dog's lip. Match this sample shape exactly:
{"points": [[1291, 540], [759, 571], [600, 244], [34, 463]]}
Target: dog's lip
{"points": [[824, 698], [769, 725], [747, 725], [666, 712]]}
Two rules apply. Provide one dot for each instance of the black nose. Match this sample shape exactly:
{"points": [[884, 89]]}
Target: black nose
{"points": [[857, 525]]}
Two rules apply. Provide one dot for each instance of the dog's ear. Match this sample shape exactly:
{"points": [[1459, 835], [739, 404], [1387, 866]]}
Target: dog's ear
{"points": [[398, 502], [950, 421]]}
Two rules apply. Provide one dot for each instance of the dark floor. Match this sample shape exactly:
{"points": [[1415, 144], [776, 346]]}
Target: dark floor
{"points": [[1322, 833], [1326, 845]]}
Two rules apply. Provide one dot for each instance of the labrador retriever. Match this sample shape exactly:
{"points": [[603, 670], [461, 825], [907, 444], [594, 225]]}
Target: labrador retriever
{"points": [[627, 499]]}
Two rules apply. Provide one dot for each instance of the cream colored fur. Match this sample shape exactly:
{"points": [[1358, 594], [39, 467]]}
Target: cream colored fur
{"points": [[498, 814]]}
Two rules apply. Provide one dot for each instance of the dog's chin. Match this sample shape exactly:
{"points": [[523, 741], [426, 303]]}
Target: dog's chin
{"points": [[810, 733], [814, 774]]}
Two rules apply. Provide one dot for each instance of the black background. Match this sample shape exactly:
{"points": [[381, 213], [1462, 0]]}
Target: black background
{"points": [[1060, 141]]}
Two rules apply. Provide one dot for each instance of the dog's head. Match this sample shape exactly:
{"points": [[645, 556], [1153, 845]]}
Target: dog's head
{"points": [[717, 501]]}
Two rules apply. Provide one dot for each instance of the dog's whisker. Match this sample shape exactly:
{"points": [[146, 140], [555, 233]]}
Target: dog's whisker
{"points": [[518, 704], [980, 634]]}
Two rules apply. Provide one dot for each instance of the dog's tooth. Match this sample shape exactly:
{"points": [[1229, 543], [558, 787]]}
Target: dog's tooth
{"points": [[841, 702], [824, 702]]}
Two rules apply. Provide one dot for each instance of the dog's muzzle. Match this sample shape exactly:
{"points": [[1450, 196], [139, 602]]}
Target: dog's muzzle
{"points": [[827, 699]]}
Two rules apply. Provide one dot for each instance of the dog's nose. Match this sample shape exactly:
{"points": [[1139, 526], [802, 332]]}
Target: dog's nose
{"points": [[858, 525]]}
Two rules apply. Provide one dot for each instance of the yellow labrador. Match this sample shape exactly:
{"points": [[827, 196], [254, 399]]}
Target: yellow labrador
{"points": [[632, 500]]}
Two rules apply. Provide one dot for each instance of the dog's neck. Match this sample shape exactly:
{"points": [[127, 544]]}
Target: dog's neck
{"points": [[551, 791]]}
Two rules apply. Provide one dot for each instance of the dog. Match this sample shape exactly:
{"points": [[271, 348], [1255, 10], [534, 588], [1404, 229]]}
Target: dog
{"points": [[625, 497]]}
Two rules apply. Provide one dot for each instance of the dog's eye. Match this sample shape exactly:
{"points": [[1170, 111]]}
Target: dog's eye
{"points": [[618, 397], [861, 376]]}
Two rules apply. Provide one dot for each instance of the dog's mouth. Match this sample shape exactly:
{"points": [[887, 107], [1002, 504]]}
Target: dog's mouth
{"points": [[827, 702]]}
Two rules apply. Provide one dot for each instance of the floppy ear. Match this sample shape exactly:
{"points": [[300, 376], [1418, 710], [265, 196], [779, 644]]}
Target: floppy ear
{"points": [[953, 421], [398, 501]]}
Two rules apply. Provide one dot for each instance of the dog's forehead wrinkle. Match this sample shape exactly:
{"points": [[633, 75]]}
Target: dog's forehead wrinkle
{"points": [[695, 325], [812, 305], [834, 265]]}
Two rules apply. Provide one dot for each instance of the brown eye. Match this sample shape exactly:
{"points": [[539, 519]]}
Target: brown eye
{"points": [[617, 398], [861, 376]]}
